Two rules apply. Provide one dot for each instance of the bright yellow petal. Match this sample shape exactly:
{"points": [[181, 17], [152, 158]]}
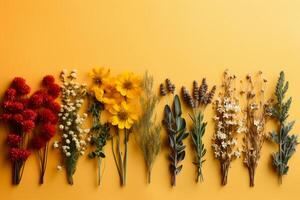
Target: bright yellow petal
{"points": [[121, 125], [128, 124], [114, 120]]}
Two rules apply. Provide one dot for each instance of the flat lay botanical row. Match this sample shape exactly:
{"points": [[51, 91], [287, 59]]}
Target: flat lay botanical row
{"points": [[124, 106]]}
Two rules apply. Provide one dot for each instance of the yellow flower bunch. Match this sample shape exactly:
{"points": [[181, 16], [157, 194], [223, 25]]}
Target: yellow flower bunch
{"points": [[116, 94]]}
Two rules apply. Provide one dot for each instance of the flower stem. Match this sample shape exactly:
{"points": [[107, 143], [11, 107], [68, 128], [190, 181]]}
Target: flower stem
{"points": [[99, 171], [125, 156], [224, 172]]}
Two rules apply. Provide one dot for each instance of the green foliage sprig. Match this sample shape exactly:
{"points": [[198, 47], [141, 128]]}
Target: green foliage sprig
{"points": [[148, 131], [176, 128], [286, 143], [198, 101], [99, 134]]}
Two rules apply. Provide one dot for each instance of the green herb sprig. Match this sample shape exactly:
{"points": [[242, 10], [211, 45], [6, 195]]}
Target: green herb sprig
{"points": [[148, 132], [286, 143], [175, 125], [99, 134], [197, 102]]}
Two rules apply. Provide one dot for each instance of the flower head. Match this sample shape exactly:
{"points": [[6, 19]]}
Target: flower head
{"points": [[108, 93], [123, 115], [128, 85], [99, 76]]}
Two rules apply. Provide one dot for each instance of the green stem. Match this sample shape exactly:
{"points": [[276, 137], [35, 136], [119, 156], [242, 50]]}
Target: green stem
{"points": [[99, 171], [125, 156]]}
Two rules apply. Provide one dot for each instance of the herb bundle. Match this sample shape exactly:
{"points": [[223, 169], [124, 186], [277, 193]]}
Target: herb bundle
{"points": [[286, 143], [227, 125], [21, 121], [198, 101], [44, 104], [73, 142], [148, 132], [176, 128], [254, 118]]}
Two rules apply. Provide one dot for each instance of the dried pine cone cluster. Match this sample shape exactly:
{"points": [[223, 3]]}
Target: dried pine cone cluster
{"points": [[168, 88], [200, 96]]}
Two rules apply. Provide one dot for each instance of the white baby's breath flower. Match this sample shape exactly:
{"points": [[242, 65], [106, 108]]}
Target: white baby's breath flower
{"points": [[59, 167], [55, 144]]}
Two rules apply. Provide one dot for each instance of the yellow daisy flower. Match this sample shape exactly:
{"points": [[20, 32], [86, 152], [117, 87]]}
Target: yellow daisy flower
{"points": [[128, 85], [107, 93], [123, 115], [111, 95], [99, 75]]}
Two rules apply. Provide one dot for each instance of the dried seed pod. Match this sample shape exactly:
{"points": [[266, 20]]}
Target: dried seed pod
{"points": [[185, 93], [202, 90], [170, 85], [172, 88], [191, 101], [211, 95], [196, 91], [162, 90], [188, 98]]}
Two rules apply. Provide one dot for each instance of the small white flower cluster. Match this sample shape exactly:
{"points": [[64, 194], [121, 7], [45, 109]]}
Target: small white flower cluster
{"points": [[73, 136], [227, 121]]}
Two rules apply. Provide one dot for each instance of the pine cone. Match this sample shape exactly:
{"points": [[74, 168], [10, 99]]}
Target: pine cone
{"points": [[202, 91], [162, 90], [196, 91]]}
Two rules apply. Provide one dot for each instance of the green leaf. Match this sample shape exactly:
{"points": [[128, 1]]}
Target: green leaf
{"points": [[177, 106]]}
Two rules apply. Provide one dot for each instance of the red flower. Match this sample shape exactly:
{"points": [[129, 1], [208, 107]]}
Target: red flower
{"points": [[38, 143], [47, 99], [48, 131], [29, 114], [47, 116], [12, 107], [28, 125], [20, 85], [36, 100], [48, 80], [16, 154], [17, 119], [10, 94], [13, 139], [24, 101], [5, 117], [53, 106], [54, 90]]}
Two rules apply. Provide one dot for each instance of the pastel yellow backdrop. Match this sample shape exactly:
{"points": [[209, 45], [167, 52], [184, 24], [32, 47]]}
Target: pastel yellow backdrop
{"points": [[180, 39]]}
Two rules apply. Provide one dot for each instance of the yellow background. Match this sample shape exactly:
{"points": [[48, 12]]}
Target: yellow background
{"points": [[180, 39]]}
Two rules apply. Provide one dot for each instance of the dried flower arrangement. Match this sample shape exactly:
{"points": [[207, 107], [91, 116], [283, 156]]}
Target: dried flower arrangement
{"points": [[146, 128], [227, 126], [47, 109], [123, 115], [254, 120], [286, 143], [176, 128], [21, 121], [73, 142], [101, 97], [198, 101]]}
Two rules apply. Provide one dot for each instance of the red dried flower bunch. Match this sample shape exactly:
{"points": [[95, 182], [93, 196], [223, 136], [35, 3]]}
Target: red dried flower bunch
{"points": [[44, 104], [21, 121]]}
